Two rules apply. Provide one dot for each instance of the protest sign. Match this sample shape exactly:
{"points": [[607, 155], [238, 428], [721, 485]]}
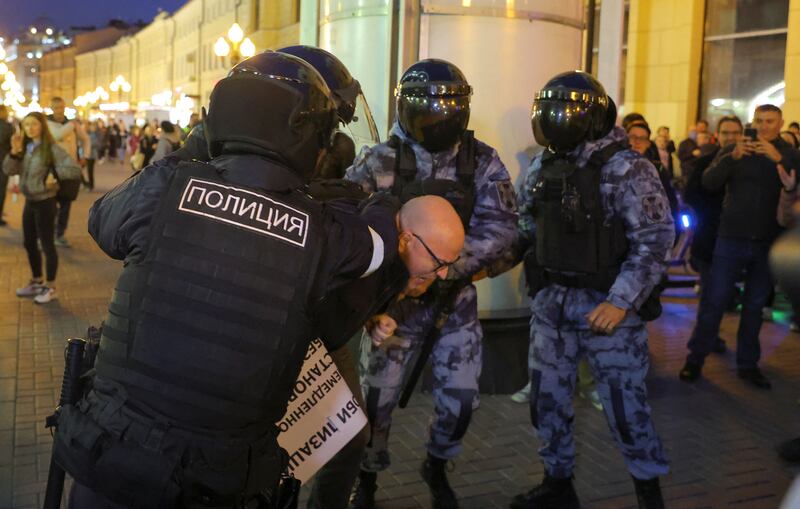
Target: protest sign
{"points": [[322, 416]]}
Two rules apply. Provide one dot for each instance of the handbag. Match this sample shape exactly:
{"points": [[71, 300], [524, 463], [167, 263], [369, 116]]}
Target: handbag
{"points": [[137, 161], [67, 188]]}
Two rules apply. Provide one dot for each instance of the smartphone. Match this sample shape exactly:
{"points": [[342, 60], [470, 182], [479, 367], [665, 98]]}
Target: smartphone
{"points": [[751, 133]]}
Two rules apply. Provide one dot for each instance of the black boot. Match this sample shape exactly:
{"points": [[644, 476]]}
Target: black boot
{"points": [[433, 473], [648, 493], [553, 493], [364, 493]]}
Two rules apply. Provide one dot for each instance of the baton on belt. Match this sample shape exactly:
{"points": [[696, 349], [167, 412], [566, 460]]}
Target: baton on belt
{"points": [[443, 306], [78, 358]]}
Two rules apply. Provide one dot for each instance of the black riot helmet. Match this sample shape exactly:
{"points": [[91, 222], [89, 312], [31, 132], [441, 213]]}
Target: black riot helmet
{"points": [[432, 102], [572, 108], [344, 87], [354, 112], [272, 104]]}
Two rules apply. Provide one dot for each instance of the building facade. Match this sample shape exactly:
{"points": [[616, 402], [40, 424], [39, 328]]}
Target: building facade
{"points": [[680, 60]]}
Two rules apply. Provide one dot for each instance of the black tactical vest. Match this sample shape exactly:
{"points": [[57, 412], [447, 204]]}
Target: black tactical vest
{"points": [[460, 192], [212, 327], [572, 233]]}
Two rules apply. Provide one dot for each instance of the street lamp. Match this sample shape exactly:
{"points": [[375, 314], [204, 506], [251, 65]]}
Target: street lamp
{"points": [[236, 45], [120, 85]]}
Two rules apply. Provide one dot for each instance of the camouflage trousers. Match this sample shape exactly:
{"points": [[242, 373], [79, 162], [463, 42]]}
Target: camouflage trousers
{"points": [[456, 362], [619, 363]]}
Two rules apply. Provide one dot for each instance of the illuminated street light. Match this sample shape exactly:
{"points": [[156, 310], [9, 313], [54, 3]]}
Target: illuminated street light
{"points": [[49, 31], [120, 85], [235, 33], [236, 45], [221, 47], [247, 49], [33, 30]]}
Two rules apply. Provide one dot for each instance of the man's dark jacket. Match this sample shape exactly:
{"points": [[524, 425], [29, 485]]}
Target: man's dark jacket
{"points": [[752, 190], [707, 207]]}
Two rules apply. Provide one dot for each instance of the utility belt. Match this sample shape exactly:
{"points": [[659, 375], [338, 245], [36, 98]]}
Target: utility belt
{"points": [[539, 278], [140, 459]]}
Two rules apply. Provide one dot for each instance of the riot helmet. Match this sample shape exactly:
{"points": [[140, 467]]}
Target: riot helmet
{"points": [[572, 108], [432, 101], [273, 104], [354, 113]]}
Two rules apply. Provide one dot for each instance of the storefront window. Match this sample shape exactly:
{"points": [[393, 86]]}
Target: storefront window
{"points": [[743, 57], [725, 17]]}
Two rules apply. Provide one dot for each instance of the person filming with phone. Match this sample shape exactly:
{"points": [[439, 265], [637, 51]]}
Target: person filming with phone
{"points": [[753, 172]]}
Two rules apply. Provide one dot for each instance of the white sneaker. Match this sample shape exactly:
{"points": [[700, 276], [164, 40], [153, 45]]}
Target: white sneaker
{"points": [[62, 242], [32, 290], [45, 295], [593, 397], [523, 395]]}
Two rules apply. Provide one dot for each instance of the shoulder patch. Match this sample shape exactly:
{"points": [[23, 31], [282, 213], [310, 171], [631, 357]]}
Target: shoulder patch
{"points": [[655, 208], [505, 194], [245, 209]]}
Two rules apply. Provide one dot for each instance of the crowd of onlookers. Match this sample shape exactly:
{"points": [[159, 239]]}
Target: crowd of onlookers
{"points": [[702, 200], [52, 156]]}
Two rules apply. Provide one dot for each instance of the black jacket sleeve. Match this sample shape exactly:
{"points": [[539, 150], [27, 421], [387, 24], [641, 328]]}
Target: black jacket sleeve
{"points": [[120, 220], [360, 238]]}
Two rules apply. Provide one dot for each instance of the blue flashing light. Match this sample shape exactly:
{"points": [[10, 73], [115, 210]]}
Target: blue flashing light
{"points": [[686, 221]]}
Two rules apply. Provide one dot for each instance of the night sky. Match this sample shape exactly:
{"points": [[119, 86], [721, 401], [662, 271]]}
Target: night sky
{"points": [[65, 13]]}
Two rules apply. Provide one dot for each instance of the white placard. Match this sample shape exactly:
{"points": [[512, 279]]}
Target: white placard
{"points": [[322, 417]]}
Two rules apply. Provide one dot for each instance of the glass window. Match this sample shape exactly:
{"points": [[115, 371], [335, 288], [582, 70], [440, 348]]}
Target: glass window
{"points": [[596, 45], [737, 16], [743, 57], [739, 74]]}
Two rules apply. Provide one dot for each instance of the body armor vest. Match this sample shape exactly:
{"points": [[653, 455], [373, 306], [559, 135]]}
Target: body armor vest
{"points": [[212, 327], [572, 233], [460, 192]]}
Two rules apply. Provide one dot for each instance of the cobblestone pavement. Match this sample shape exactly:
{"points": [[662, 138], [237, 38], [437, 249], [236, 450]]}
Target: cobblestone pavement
{"points": [[719, 433]]}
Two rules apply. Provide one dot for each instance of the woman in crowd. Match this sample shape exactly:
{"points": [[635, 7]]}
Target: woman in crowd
{"points": [[102, 136], [34, 156], [168, 141], [134, 138], [639, 140], [94, 139], [113, 140], [123, 138], [147, 144]]}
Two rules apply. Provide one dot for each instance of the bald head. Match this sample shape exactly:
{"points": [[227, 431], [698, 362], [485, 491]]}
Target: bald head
{"points": [[431, 238], [434, 219]]}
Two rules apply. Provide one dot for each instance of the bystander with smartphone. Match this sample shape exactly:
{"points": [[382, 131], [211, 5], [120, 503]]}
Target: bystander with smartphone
{"points": [[753, 173]]}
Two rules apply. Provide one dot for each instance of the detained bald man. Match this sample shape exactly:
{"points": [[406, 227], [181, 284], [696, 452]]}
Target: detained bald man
{"points": [[431, 237]]}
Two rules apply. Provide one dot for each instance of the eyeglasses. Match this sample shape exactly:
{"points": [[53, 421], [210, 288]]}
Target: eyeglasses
{"points": [[641, 139], [440, 264]]}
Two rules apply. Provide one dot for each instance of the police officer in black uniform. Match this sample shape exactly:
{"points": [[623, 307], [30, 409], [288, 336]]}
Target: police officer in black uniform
{"points": [[225, 265]]}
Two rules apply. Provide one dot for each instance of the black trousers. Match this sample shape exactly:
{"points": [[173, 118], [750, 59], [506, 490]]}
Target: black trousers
{"points": [[89, 173], [81, 497], [3, 186], [38, 222], [63, 216]]}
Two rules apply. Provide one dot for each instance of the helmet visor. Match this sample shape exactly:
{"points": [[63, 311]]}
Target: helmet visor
{"points": [[361, 129]]}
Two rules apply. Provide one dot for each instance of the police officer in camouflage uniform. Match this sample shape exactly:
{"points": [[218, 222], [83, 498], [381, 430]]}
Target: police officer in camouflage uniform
{"points": [[430, 151], [595, 226]]}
